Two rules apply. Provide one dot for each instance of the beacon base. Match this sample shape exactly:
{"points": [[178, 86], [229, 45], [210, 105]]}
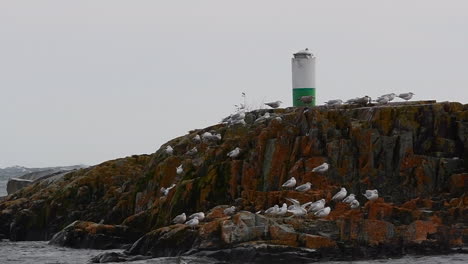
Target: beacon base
{"points": [[299, 92]]}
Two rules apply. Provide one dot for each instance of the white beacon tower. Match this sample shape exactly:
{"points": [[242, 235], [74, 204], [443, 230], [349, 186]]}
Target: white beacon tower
{"points": [[303, 77]]}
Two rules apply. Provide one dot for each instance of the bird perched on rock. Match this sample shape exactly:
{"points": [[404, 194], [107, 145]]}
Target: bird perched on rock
{"points": [[196, 138], [298, 211], [199, 215], [180, 219], [323, 212], [307, 99], [275, 104], [272, 210], [317, 205], [266, 116], [406, 96], [165, 191], [169, 150], [207, 136], [234, 153], [191, 152], [180, 169], [349, 199], [335, 102], [371, 195], [289, 183], [230, 211], [283, 210], [382, 100], [322, 168], [304, 187], [340, 195], [390, 96], [354, 204], [192, 222]]}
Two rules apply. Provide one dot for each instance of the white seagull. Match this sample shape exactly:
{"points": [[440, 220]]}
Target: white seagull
{"points": [[334, 102], [304, 187], [199, 215], [169, 150], [289, 183], [230, 211], [180, 169], [298, 211], [196, 138], [354, 204], [234, 153], [390, 96], [316, 206], [340, 195], [192, 151], [349, 199], [283, 210], [192, 222], [322, 168], [180, 219], [406, 96], [275, 104], [272, 210], [371, 195], [323, 212], [165, 191]]}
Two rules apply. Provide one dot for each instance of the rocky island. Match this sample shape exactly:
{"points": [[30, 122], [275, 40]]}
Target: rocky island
{"points": [[415, 154]]}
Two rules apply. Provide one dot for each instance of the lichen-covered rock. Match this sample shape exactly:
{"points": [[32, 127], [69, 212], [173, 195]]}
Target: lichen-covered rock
{"points": [[414, 153]]}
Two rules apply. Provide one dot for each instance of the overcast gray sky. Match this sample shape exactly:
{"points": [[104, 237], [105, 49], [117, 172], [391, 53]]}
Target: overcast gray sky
{"points": [[88, 81]]}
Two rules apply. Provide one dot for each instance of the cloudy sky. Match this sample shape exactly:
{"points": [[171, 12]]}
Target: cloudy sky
{"points": [[82, 82]]}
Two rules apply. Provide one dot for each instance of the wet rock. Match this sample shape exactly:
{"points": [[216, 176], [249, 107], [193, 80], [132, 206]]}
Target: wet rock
{"points": [[81, 234]]}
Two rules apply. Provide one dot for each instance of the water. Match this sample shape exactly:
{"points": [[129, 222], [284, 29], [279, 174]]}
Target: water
{"points": [[39, 252]]}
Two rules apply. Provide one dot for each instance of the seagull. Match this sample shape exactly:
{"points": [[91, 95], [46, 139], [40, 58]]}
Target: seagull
{"points": [[363, 100], [192, 151], [275, 104], [169, 150], [349, 199], [234, 153], [230, 211], [180, 169], [354, 204], [390, 96], [262, 118], [323, 212], [289, 183], [192, 222], [283, 210], [238, 122], [316, 206], [307, 99], [406, 96], [165, 191], [340, 195], [180, 219], [199, 215], [304, 187], [298, 211], [371, 195], [322, 168], [334, 102], [207, 136], [383, 100], [272, 210], [196, 138], [295, 203]]}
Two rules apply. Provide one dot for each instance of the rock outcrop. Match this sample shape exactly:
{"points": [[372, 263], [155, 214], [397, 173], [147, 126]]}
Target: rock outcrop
{"points": [[415, 154]]}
